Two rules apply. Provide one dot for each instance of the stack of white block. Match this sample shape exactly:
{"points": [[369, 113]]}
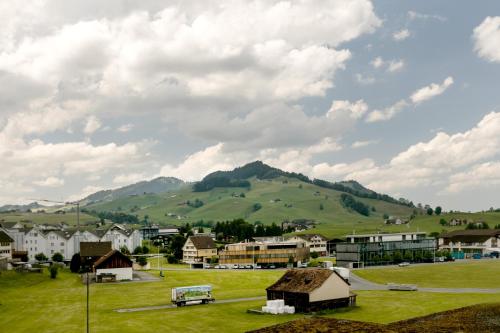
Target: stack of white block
{"points": [[277, 306]]}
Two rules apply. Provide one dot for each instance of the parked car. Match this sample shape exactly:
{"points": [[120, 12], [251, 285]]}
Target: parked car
{"points": [[248, 266], [404, 264], [222, 266], [271, 266], [477, 256], [258, 266], [235, 266], [303, 265]]}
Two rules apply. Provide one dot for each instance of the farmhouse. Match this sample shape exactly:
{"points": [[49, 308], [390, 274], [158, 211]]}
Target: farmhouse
{"points": [[91, 252], [466, 243], [316, 243], [114, 265], [312, 290], [198, 249]]}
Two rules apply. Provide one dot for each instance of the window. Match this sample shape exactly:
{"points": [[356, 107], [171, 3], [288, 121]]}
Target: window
{"points": [[52, 251], [62, 243]]}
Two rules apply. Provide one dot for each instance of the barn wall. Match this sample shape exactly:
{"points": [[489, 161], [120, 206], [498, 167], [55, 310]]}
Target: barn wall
{"points": [[333, 288], [121, 273]]}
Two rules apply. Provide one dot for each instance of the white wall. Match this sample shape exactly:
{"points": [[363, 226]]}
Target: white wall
{"points": [[121, 273], [334, 287]]}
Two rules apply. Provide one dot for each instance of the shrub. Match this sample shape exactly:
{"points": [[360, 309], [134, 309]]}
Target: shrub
{"points": [[314, 255], [57, 257], [41, 257], [145, 249], [171, 259], [53, 271], [138, 250], [142, 261]]}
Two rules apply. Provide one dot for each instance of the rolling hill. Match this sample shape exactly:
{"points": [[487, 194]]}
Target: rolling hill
{"points": [[280, 196]]}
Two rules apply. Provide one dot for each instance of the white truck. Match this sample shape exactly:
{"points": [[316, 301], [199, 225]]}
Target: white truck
{"points": [[342, 271], [182, 295]]}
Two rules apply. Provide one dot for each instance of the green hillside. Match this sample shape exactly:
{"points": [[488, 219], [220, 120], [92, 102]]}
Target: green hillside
{"points": [[281, 199], [46, 218]]}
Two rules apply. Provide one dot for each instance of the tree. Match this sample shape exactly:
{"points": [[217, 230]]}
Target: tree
{"points": [[438, 210], [314, 255], [53, 271], [138, 250], [408, 256], [145, 249], [124, 249], [256, 206], [57, 257], [176, 245], [430, 211], [142, 261], [201, 230], [75, 264], [397, 257], [385, 216], [442, 221], [41, 257]]}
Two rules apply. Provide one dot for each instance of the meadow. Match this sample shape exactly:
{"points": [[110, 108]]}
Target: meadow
{"points": [[34, 302], [484, 273]]}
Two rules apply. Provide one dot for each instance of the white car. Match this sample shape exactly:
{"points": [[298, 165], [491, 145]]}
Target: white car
{"points": [[404, 264]]}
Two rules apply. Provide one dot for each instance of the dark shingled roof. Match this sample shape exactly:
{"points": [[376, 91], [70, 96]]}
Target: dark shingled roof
{"points": [[302, 280], [469, 236], [203, 242], [94, 249], [109, 255], [4, 238]]}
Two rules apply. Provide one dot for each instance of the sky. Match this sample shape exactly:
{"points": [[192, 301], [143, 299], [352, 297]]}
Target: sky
{"points": [[402, 96]]}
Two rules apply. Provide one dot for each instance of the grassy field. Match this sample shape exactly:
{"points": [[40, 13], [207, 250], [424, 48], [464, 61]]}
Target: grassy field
{"points": [[33, 302], [483, 273]]}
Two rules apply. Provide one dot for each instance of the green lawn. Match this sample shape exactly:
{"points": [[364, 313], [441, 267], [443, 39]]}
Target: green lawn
{"points": [[484, 273], [35, 303]]}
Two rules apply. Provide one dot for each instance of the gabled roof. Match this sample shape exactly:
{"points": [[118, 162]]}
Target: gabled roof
{"points": [[4, 238], [203, 242], [94, 249], [303, 281], [309, 237], [9, 225], [66, 234], [102, 260]]}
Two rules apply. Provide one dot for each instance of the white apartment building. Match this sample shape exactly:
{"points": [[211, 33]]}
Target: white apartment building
{"points": [[67, 241], [395, 237]]}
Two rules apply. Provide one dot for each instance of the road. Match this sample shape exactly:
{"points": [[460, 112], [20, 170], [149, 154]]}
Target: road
{"points": [[171, 306], [358, 283]]}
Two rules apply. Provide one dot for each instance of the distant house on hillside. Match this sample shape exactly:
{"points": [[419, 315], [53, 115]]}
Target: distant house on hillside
{"points": [[298, 225], [396, 220], [198, 249], [312, 290]]}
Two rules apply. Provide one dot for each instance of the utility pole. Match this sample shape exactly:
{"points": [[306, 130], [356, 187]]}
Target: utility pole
{"points": [[88, 327]]}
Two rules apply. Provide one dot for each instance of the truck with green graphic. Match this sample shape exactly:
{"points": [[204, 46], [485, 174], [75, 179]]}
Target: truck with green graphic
{"points": [[182, 295]]}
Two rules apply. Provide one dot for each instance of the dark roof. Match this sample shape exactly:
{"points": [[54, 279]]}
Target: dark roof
{"points": [[468, 236], [8, 225], [4, 238], [62, 233], [302, 280], [102, 260], [203, 242], [94, 249]]}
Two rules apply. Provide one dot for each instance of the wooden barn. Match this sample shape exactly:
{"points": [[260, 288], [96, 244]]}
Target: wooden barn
{"points": [[312, 289], [114, 266], [90, 252]]}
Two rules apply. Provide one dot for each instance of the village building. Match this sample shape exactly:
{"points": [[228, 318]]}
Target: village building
{"points": [[375, 249], [90, 252], [396, 220], [313, 289], [467, 243], [114, 266], [6, 245], [316, 243], [198, 250], [278, 253]]}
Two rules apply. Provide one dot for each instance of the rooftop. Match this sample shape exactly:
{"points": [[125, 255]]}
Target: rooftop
{"points": [[203, 242], [302, 280], [387, 234]]}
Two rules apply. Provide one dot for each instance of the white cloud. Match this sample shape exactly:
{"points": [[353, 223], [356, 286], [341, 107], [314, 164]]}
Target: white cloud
{"points": [[387, 113], [487, 39], [50, 182], [391, 66], [355, 110], [130, 178], [413, 15], [92, 125], [341, 170], [430, 91], [377, 62], [125, 128], [360, 144], [364, 80], [480, 176], [401, 35], [395, 66]]}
